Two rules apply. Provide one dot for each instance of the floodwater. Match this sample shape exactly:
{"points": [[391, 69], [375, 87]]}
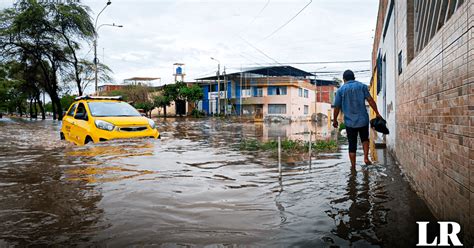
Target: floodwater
{"points": [[195, 187]]}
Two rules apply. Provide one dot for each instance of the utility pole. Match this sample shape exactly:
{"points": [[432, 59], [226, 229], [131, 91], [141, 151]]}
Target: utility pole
{"points": [[218, 85], [95, 65], [225, 92], [240, 100], [218, 88], [95, 47]]}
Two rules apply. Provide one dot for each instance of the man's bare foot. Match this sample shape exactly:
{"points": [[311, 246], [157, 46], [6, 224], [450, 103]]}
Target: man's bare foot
{"points": [[367, 161]]}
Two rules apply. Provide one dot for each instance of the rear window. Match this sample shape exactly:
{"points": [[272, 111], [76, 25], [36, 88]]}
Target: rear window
{"points": [[112, 109]]}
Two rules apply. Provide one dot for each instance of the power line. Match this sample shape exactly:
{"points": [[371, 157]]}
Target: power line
{"points": [[319, 62], [259, 13], [260, 51], [286, 23], [332, 72]]}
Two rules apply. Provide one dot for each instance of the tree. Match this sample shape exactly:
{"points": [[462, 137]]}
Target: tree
{"points": [[73, 21], [66, 101], [146, 106], [179, 91], [85, 75], [161, 102], [337, 80], [46, 34], [192, 94]]}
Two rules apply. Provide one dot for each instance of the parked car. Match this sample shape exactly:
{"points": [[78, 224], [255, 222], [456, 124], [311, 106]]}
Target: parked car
{"points": [[95, 119]]}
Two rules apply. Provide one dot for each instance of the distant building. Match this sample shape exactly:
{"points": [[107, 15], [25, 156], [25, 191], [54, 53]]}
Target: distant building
{"points": [[145, 81], [110, 87], [325, 90], [275, 92]]}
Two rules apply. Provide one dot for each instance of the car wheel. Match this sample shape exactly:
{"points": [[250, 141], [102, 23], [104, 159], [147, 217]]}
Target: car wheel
{"points": [[88, 139]]}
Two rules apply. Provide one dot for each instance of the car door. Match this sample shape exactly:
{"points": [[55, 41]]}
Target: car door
{"points": [[68, 121], [80, 126]]}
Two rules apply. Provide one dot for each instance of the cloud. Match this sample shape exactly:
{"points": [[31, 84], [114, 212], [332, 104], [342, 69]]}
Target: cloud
{"points": [[157, 34]]}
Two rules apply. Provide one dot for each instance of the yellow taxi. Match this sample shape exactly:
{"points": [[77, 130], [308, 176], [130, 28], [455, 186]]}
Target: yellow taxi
{"points": [[95, 119]]}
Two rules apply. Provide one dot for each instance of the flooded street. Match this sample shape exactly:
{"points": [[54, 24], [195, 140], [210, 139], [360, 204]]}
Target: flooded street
{"points": [[195, 187]]}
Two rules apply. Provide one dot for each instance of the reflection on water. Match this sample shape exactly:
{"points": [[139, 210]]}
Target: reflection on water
{"points": [[352, 212], [193, 187], [294, 130]]}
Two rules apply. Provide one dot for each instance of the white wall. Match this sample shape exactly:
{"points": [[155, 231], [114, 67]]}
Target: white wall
{"points": [[386, 97]]}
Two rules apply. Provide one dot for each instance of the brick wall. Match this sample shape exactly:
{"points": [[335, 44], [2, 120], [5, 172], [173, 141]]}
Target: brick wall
{"points": [[325, 93], [435, 111]]}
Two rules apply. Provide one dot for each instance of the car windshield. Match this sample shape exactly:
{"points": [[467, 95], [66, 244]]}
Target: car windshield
{"points": [[112, 109]]}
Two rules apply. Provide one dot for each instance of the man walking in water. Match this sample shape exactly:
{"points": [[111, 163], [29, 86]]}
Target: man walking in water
{"points": [[351, 99]]}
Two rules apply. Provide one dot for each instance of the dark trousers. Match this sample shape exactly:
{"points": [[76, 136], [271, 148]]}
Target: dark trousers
{"points": [[352, 133]]}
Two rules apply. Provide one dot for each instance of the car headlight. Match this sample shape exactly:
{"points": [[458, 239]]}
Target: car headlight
{"points": [[151, 123], [104, 125]]}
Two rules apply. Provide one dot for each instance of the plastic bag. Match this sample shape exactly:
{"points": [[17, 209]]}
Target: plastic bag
{"points": [[380, 125]]}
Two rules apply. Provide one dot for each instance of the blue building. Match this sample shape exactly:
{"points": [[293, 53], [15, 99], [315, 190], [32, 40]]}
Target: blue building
{"points": [[275, 91]]}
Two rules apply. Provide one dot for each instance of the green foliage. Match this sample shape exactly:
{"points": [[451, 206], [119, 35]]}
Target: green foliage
{"points": [[180, 91], [192, 93], [342, 126], [132, 93], [325, 145], [13, 91], [66, 101], [288, 145], [197, 114], [146, 106], [48, 107], [161, 101], [45, 36], [122, 93]]}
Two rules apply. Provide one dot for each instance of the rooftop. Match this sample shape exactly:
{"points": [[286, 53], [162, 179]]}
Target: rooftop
{"points": [[142, 79], [272, 71]]}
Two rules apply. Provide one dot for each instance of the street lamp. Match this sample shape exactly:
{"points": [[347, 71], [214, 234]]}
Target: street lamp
{"points": [[218, 84], [95, 45]]}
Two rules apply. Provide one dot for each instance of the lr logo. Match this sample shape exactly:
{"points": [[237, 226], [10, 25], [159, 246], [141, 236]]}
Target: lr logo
{"points": [[444, 234]]}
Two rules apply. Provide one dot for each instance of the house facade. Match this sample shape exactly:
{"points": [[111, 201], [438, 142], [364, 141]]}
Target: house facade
{"points": [[270, 93], [423, 75]]}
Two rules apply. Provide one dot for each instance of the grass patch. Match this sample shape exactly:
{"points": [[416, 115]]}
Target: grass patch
{"points": [[288, 145]]}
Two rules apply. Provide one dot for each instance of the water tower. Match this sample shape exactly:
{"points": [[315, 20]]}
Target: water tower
{"points": [[178, 72]]}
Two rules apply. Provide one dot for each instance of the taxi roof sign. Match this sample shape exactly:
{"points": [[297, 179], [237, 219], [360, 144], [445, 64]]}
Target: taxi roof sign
{"points": [[118, 98]]}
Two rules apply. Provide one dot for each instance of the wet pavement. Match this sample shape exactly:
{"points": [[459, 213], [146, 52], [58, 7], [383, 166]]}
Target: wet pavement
{"points": [[195, 187]]}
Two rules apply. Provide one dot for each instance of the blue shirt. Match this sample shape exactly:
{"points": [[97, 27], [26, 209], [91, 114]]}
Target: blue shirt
{"points": [[351, 99]]}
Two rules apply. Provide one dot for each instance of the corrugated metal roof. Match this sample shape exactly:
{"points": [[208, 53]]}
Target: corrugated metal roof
{"points": [[273, 71]]}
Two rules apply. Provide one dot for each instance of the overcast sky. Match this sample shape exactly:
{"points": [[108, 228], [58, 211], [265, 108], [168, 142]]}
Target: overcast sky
{"points": [[157, 34]]}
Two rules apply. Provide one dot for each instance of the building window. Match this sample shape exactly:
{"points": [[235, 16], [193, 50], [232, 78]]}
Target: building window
{"points": [[276, 108], [300, 92], [306, 94], [400, 63], [257, 91], [306, 109], [429, 17], [276, 90]]}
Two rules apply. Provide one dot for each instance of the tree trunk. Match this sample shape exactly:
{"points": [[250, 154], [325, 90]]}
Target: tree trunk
{"points": [[54, 110], [40, 105], [31, 108], [57, 104], [164, 110], [35, 109], [20, 110], [43, 113]]}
